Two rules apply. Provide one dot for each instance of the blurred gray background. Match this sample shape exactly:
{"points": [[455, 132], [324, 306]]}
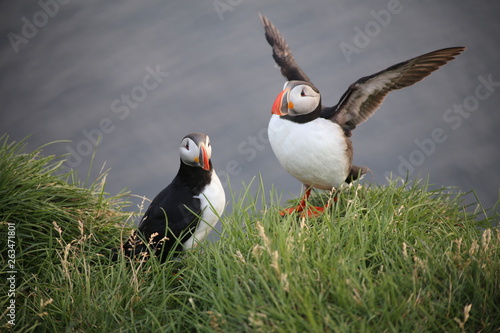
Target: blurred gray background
{"points": [[141, 75]]}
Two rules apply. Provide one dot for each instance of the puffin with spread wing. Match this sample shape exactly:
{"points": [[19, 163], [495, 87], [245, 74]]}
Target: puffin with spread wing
{"points": [[311, 141]]}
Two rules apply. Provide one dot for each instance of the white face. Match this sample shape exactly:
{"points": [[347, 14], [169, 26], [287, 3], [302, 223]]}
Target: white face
{"points": [[302, 99], [192, 153]]}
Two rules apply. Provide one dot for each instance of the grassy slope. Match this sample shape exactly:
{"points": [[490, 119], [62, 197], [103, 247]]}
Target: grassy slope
{"points": [[392, 258]]}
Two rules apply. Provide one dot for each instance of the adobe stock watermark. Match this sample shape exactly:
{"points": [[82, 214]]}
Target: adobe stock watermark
{"points": [[363, 37], [121, 108], [454, 118], [10, 311], [249, 149], [223, 6], [31, 26]]}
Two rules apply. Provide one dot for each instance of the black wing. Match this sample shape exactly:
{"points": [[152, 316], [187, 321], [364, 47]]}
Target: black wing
{"points": [[366, 95], [174, 204], [281, 53]]}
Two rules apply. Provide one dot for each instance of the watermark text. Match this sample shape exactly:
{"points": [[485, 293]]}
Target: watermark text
{"points": [[11, 273]]}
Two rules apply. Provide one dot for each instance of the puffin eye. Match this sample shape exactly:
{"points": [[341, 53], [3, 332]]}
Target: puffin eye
{"points": [[187, 145], [302, 93]]}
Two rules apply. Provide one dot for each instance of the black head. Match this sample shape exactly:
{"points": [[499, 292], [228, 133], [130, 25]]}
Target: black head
{"points": [[298, 100], [196, 151]]}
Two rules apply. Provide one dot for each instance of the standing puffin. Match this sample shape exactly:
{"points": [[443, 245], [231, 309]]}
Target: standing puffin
{"points": [[183, 214], [312, 141]]}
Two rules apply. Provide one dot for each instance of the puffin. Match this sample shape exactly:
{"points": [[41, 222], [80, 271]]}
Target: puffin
{"points": [[311, 141], [183, 213]]}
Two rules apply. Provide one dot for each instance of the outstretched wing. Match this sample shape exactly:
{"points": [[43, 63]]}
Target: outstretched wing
{"points": [[365, 96], [281, 52]]}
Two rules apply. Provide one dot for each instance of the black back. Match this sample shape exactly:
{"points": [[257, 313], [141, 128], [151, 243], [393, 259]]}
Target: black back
{"points": [[173, 214]]}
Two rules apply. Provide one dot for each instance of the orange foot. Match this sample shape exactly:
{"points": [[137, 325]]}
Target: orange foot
{"points": [[291, 210], [311, 211]]}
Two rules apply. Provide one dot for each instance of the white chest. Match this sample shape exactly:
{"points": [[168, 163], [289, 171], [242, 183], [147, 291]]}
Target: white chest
{"points": [[212, 202], [315, 152]]}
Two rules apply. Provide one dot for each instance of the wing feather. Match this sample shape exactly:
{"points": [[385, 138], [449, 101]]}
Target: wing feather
{"points": [[281, 53], [365, 96]]}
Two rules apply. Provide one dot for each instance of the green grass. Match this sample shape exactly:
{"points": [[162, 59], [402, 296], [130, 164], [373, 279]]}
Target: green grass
{"points": [[393, 258]]}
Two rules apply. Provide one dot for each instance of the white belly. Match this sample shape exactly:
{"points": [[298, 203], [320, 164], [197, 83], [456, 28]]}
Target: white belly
{"points": [[315, 152], [212, 202]]}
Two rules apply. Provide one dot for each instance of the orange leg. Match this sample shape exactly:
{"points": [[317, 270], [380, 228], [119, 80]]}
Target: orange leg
{"points": [[301, 205], [310, 212]]}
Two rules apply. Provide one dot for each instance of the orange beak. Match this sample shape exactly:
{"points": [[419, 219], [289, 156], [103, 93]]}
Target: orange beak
{"points": [[280, 105], [203, 159]]}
